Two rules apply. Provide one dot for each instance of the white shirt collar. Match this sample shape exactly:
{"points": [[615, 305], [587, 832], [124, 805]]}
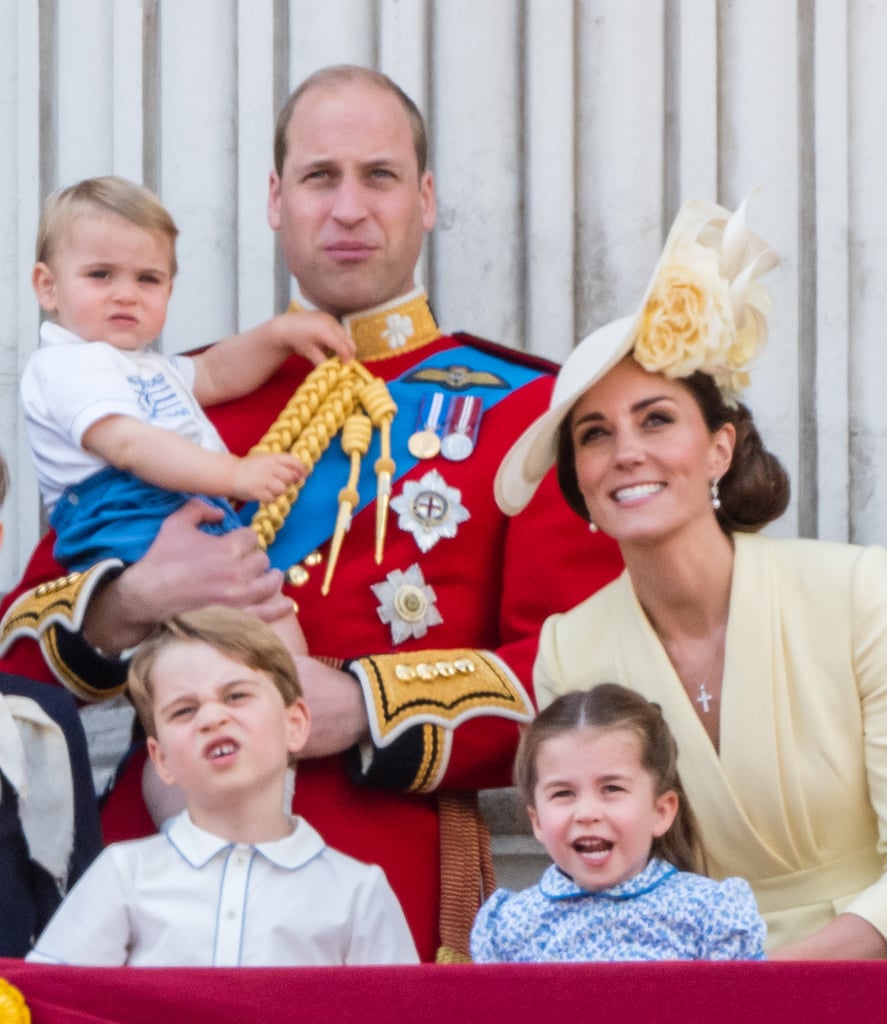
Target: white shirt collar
{"points": [[198, 847], [52, 333]]}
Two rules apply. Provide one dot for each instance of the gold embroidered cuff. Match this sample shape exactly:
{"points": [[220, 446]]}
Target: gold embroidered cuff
{"points": [[436, 743], [61, 603], [437, 688]]}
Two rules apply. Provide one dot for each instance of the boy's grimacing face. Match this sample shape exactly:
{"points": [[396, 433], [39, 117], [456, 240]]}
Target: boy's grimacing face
{"points": [[107, 280], [223, 731]]}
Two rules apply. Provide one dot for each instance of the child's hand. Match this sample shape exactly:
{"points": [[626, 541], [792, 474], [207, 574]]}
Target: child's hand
{"points": [[265, 477], [314, 335]]}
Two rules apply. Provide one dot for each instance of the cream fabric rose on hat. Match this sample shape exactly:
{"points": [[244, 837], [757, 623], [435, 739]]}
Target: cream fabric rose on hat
{"points": [[703, 310], [687, 321]]}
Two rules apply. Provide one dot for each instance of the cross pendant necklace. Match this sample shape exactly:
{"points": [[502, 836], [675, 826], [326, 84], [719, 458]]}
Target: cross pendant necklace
{"points": [[704, 697]]}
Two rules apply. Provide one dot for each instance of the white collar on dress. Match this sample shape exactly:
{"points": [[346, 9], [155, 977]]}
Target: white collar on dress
{"points": [[557, 885]]}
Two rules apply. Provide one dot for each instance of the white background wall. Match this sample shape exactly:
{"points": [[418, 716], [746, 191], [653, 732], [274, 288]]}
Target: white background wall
{"points": [[565, 134]]}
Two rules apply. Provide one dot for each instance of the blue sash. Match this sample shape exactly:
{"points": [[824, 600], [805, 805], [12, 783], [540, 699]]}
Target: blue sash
{"points": [[313, 518]]}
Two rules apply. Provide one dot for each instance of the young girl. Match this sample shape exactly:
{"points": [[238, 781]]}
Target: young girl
{"points": [[598, 770]]}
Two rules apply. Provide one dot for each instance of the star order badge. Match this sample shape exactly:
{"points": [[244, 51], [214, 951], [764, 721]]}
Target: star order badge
{"points": [[430, 509], [407, 604]]}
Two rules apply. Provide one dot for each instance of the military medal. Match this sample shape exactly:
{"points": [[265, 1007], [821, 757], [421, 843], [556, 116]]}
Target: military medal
{"points": [[461, 427], [424, 442]]}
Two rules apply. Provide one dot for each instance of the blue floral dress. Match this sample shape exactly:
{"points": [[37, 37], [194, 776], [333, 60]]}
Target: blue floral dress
{"points": [[660, 914]]}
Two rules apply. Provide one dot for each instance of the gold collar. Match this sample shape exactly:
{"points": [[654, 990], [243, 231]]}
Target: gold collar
{"points": [[391, 329]]}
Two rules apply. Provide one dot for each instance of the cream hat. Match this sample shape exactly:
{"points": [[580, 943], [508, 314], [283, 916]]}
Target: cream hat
{"points": [[703, 310]]}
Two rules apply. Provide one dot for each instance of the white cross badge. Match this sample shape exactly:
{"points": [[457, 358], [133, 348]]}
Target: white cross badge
{"points": [[429, 509]]}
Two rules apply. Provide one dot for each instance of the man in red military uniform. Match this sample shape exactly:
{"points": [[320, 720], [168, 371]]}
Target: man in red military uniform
{"points": [[424, 630]]}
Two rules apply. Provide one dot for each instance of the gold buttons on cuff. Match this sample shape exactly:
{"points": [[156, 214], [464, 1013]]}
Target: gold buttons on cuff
{"points": [[55, 585], [426, 670]]}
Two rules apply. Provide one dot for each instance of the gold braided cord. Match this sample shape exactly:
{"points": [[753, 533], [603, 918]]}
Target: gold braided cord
{"points": [[378, 403], [356, 436], [323, 379], [310, 420], [380, 408], [467, 876]]}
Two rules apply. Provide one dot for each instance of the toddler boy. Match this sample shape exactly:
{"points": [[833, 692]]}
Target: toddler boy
{"points": [[117, 431]]}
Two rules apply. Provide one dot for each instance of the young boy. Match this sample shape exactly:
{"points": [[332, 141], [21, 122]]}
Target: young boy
{"points": [[234, 879], [117, 431]]}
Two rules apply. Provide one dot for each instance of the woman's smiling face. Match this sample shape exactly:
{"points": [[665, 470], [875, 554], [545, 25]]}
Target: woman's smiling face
{"points": [[644, 457]]}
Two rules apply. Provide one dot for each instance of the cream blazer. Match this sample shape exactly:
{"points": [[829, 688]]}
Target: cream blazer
{"points": [[796, 801]]}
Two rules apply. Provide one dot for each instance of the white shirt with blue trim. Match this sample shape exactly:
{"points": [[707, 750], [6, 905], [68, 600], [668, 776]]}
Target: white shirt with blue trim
{"points": [[187, 898], [69, 384]]}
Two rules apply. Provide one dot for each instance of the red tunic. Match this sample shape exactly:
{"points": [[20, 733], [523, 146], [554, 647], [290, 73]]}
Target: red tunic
{"points": [[495, 582]]}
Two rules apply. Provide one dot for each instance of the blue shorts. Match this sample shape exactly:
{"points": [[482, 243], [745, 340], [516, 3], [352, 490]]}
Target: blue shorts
{"points": [[113, 514]]}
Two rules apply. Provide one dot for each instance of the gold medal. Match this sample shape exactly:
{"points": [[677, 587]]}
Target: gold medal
{"points": [[423, 444]]}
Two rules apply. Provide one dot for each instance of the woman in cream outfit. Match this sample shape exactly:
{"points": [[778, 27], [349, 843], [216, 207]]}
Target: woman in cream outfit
{"points": [[768, 657]]}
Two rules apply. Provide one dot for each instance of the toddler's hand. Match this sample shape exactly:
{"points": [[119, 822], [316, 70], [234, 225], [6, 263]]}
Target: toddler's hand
{"points": [[265, 477], [315, 335]]}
